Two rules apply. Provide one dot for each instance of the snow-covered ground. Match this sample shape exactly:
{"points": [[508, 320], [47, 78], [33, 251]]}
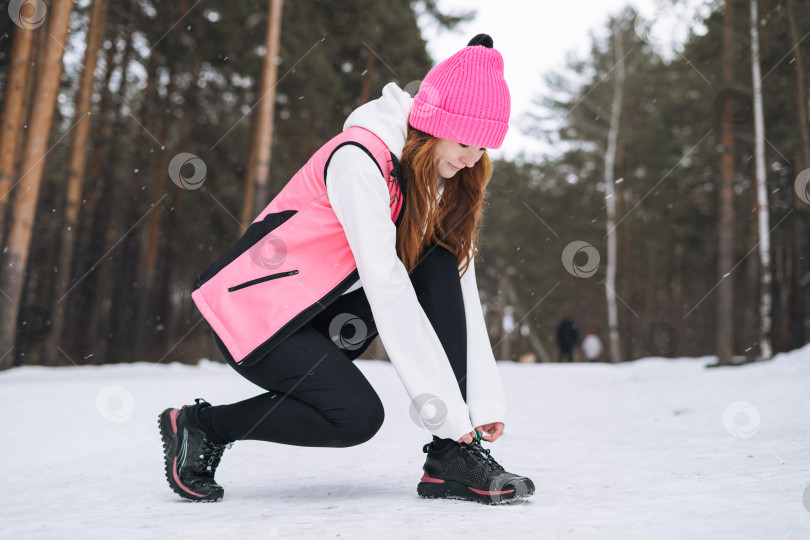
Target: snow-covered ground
{"points": [[650, 449]]}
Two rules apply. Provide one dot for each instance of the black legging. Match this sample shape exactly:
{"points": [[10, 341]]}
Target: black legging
{"points": [[316, 395]]}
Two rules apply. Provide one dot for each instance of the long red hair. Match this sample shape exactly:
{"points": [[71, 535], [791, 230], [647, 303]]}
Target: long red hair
{"points": [[454, 220]]}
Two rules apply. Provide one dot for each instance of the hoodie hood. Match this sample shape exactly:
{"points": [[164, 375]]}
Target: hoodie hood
{"points": [[386, 117]]}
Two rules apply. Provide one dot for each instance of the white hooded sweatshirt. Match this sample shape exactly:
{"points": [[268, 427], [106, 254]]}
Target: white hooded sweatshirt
{"points": [[359, 196]]}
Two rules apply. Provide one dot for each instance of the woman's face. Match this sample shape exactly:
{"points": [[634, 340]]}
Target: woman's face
{"points": [[450, 157]]}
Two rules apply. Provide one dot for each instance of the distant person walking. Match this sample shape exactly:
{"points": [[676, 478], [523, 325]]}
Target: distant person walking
{"points": [[592, 346], [567, 336]]}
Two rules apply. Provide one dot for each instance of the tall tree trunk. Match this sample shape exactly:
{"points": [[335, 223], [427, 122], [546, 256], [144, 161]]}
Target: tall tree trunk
{"points": [[651, 302], [174, 271], [802, 265], [626, 261], [495, 316], [12, 109], [76, 171], [259, 160], [750, 317], [150, 231], [39, 43], [33, 166], [782, 278], [156, 299], [725, 233], [109, 309], [505, 349], [100, 139], [156, 306], [80, 296], [762, 194], [610, 200], [674, 273]]}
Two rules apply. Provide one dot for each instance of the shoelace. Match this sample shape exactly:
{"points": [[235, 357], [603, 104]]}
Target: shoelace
{"points": [[211, 451], [481, 454], [212, 454], [478, 452]]}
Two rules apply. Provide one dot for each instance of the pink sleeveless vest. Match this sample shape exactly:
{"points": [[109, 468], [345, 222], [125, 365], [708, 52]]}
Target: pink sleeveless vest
{"points": [[293, 260]]}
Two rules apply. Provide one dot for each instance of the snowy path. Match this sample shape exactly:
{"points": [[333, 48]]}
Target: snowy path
{"points": [[636, 450]]}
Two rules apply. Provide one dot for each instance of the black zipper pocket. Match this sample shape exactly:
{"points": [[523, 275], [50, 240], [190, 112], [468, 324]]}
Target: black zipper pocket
{"points": [[261, 280]]}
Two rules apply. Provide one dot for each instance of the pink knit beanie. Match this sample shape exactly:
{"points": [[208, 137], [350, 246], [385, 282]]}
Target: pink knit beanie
{"points": [[465, 98]]}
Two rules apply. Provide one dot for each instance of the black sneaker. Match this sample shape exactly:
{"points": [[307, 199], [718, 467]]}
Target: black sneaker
{"points": [[191, 456], [468, 472]]}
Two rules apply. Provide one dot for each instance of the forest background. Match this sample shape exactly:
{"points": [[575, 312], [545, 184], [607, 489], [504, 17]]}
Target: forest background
{"points": [[137, 145]]}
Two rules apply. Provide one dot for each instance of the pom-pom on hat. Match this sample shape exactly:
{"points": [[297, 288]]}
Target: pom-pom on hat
{"points": [[465, 98]]}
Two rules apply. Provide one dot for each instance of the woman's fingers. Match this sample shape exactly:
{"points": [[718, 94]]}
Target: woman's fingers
{"points": [[466, 438], [493, 431], [489, 432]]}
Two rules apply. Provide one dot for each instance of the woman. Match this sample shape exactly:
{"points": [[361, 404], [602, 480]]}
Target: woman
{"points": [[375, 234]]}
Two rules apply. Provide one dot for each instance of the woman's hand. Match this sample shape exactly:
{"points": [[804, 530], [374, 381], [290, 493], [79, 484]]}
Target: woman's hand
{"points": [[490, 433]]}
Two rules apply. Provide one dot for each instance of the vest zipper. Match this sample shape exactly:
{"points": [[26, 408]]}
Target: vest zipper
{"points": [[261, 280]]}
